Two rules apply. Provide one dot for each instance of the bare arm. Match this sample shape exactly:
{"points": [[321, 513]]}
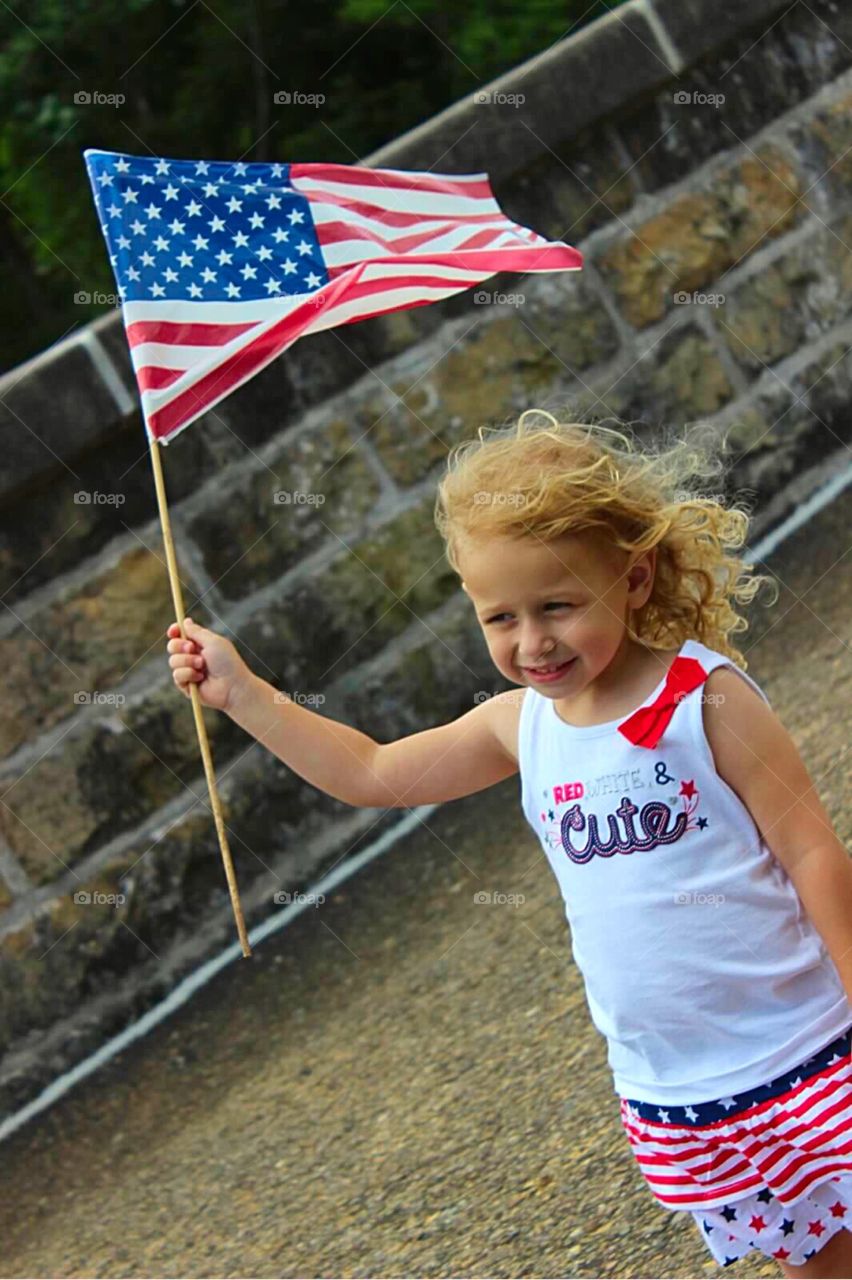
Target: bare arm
{"points": [[444, 763], [758, 759]]}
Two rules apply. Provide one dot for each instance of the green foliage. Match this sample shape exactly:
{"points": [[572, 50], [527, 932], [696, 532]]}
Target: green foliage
{"points": [[199, 78]]}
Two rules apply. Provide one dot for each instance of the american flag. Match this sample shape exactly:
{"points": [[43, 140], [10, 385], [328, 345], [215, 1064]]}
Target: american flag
{"points": [[221, 266]]}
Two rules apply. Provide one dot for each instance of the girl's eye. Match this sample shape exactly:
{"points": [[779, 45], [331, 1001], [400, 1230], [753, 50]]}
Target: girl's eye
{"points": [[553, 604]]}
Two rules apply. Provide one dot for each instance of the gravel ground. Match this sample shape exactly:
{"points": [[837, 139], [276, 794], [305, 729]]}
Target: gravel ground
{"points": [[404, 1082]]}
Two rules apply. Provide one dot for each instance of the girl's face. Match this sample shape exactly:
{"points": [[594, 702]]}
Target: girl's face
{"points": [[542, 604]]}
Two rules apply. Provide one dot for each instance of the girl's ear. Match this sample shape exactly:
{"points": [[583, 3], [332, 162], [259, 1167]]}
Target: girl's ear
{"points": [[643, 571]]}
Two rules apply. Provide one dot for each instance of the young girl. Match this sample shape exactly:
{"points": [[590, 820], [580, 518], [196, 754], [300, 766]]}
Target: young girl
{"points": [[708, 898]]}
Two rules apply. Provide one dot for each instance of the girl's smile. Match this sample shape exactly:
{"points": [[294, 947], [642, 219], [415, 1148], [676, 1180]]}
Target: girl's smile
{"points": [[550, 675]]}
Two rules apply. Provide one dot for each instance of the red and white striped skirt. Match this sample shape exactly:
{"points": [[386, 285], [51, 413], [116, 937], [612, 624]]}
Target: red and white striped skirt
{"points": [[741, 1163]]}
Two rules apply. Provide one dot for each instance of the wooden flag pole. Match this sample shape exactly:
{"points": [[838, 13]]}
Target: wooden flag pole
{"points": [[200, 726]]}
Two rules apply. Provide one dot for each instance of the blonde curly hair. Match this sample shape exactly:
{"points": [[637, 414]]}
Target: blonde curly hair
{"points": [[570, 478]]}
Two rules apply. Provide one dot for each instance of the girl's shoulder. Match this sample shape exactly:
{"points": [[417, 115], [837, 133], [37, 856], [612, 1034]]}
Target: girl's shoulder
{"points": [[507, 717]]}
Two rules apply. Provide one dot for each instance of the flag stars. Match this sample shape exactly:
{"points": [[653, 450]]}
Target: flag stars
{"points": [[240, 203]]}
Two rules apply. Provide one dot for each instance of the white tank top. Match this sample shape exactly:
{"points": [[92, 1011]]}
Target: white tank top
{"points": [[701, 967]]}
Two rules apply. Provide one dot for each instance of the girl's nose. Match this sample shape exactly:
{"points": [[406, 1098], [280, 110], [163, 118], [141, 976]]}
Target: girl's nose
{"points": [[534, 647]]}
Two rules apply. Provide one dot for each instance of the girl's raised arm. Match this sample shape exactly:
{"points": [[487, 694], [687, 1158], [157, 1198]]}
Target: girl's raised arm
{"points": [[444, 763]]}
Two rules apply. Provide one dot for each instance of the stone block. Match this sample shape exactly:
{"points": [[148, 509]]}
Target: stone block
{"points": [[372, 592], [698, 236], [249, 536], [75, 650], [507, 362], [51, 408], [792, 300]]}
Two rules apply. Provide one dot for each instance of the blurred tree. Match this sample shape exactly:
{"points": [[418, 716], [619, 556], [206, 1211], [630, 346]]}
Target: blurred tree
{"points": [[198, 78]]}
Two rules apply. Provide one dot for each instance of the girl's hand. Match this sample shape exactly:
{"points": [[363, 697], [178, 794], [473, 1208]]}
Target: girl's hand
{"points": [[208, 660]]}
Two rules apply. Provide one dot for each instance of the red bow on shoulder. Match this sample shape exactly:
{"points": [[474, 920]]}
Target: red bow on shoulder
{"points": [[647, 725]]}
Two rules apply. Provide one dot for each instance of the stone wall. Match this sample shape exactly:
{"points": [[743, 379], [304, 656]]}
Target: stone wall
{"points": [[717, 286]]}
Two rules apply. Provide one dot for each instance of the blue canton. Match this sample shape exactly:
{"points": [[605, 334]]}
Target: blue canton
{"points": [[205, 230]]}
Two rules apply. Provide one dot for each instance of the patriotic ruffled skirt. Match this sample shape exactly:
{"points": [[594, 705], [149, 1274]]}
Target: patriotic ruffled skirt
{"points": [[770, 1169]]}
